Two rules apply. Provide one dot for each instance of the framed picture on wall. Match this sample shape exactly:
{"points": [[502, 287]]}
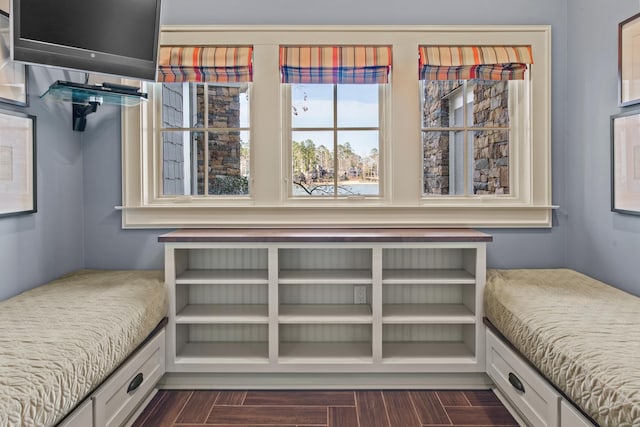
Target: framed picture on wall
{"points": [[629, 61], [625, 162], [17, 163], [13, 75]]}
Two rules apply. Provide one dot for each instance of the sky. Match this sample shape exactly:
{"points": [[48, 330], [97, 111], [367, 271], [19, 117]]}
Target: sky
{"points": [[357, 107]]}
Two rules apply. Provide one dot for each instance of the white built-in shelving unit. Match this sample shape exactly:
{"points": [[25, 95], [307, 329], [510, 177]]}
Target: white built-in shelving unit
{"points": [[325, 300]]}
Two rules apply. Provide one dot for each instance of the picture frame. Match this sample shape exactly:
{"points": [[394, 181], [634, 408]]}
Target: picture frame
{"points": [[625, 162], [13, 75], [17, 163]]}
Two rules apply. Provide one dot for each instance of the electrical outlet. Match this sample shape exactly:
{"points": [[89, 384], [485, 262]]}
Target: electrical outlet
{"points": [[359, 294]]}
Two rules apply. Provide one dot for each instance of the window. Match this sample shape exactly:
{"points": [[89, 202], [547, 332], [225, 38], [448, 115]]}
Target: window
{"points": [[434, 148], [205, 157], [334, 102], [205, 120], [335, 128], [470, 101], [467, 137]]}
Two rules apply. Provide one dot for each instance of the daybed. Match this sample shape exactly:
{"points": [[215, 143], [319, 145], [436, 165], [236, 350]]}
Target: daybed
{"points": [[579, 334], [59, 343]]}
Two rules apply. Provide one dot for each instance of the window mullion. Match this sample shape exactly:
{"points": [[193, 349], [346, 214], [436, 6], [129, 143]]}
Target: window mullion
{"points": [[205, 136], [336, 161], [466, 140]]}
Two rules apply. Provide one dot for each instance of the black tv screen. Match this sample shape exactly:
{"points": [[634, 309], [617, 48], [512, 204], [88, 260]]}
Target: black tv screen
{"points": [[118, 37]]}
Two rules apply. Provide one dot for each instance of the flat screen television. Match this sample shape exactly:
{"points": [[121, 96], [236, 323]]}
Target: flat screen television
{"points": [[116, 37]]}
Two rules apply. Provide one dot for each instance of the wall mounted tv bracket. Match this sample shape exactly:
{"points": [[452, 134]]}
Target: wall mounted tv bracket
{"points": [[86, 98]]}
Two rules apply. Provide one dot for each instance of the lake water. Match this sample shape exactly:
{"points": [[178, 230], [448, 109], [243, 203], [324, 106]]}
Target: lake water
{"points": [[346, 189]]}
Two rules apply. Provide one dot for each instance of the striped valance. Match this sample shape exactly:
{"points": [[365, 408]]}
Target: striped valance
{"points": [[335, 64], [474, 62], [205, 64]]}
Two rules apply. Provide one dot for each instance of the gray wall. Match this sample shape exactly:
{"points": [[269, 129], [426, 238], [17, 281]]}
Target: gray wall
{"points": [[106, 244], [601, 243], [109, 246], [38, 247], [585, 236]]}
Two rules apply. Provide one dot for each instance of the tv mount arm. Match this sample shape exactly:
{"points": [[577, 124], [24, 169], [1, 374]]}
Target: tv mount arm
{"points": [[81, 108]]}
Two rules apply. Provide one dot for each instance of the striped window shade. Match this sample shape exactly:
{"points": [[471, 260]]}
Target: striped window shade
{"points": [[474, 62], [335, 64], [205, 64]]}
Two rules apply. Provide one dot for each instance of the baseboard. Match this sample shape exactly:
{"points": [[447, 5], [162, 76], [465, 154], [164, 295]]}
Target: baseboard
{"points": [[464, 381]]}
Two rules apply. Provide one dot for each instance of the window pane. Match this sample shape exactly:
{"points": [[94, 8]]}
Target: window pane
{"points": [[228, 105], [184, 159], [358, 163], [436, 99], [358, 105], [312, 163], [311, 106], [179, 102], [174, 111], [228, 163], [491, 162], [436, 150], [490, 103], [182, 163]]}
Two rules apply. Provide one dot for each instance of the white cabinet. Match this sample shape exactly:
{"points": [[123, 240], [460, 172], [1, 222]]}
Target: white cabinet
{"points": [[528, 393], [533, 397], [325, 300]]}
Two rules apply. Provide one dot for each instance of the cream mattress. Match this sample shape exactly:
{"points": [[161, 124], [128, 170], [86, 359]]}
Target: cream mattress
{"points": [[61, 340], [583, 335]]}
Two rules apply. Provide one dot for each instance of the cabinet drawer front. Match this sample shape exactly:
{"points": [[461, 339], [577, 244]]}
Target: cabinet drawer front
{"points": [[82, 416], [570, 417], [120, 395], [531, 395]]}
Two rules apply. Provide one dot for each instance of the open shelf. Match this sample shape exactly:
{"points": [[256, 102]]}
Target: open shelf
{"points": [[325, 352], [223, 313], [223, 352], [223, 276], [426, 352], [324, 276], [107, 93], [325, 313], [427, 276], [427, 313]]}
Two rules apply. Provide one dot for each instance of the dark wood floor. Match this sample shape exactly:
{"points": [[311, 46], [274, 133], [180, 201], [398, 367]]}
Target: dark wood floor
{"points": [[370, 408]]}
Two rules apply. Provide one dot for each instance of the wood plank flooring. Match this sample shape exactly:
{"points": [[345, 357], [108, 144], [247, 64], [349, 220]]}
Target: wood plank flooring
{"points": [[361, 408]]}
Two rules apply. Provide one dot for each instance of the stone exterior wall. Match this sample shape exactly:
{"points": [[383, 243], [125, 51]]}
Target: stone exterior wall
{"points": [[436, 144], [490, 148], [224, 146]]}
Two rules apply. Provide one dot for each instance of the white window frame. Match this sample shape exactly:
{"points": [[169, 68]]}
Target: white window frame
{"points": [[402, 203]]}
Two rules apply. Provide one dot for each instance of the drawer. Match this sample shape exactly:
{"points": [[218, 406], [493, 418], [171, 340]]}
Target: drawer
{"points": [[528, 392], [571, 417], [112, 403], [82, 416]]}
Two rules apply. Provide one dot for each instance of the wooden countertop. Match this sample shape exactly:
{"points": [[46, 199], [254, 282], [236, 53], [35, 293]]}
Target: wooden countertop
{"points": [[325, 235]]}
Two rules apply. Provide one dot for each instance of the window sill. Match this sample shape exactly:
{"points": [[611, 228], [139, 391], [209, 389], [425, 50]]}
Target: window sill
{"points": [[190, 216]]}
